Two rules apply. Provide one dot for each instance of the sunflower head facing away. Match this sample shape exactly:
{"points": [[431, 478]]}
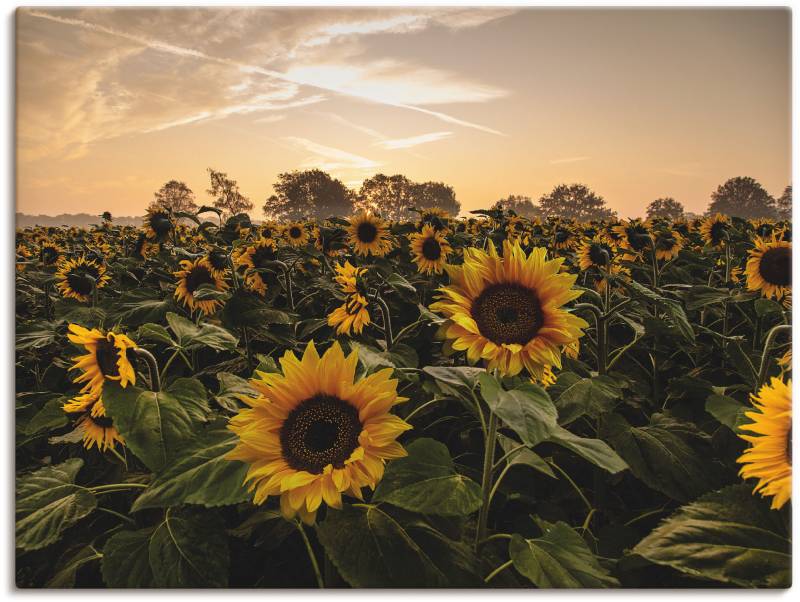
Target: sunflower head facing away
{"points": [[714, 230], [769, 459], [769, 268], [508, 310], [193, 274], [157, 223], [77, 278], [369, 234], [668, 244], [315, 433], [95, 426], [595, 253], [108, 357], [429, 250], [634, 237]]}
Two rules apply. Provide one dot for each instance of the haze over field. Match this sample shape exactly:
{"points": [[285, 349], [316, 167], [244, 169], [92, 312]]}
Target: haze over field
{"points": [[636, 104]]}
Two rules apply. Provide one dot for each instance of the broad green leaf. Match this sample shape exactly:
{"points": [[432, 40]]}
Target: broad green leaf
{"points": [[189, 549], [668, 455], [50, 417], [126, 560], [727, 410], [523, 456], [699, 296], [48, 502], [200, 474], [575, 396], [527, 410], [763, 307], [595, 451], [458, 381], [559, 558], [426, 482], [138, 307], [231, 387], [36, 335], [671, 307], [154, 332], [190, 335], [730, 536], [65, 573]]}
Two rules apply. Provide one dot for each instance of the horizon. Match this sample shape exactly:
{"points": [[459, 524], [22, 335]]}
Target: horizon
{"points": [[113, 103]]}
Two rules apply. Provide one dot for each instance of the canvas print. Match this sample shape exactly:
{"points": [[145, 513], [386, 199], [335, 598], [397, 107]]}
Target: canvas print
{"points": [[398, 297]]}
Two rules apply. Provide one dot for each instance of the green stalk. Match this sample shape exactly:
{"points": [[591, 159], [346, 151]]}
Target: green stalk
{"points": [[765, 354], [486, 479], [311, 556], [152, 367]]}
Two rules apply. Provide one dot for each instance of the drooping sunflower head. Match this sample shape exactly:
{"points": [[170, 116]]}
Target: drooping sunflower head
{"points": [[260, 254], [508, 310], [564, 237], [634, 236], [769, 268], [296, 234], [668, 244], [157, 223], [96, 427], [77, 278], [435, 217], [50, 253], [595, 253], [369, 234], [429, 250], [315, 432], [218, 259], [769, 459], [195, 273], [109, 356], [714, 230]]}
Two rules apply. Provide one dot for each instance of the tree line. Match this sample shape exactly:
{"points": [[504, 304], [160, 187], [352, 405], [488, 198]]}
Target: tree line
{"points": [[315, 194]]}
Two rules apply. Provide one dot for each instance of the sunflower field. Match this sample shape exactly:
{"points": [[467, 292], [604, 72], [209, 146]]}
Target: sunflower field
{"points": [[450, 402]]}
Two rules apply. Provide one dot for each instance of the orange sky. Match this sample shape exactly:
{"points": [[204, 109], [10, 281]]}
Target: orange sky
{"points": [[637, 104]]}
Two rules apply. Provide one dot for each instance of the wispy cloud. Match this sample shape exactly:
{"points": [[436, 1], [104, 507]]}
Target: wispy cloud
{"points": [[568, 160], [330, 158], [399, 143]]}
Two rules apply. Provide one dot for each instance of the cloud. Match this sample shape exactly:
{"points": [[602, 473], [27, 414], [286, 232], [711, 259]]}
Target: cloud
{"points": [[329, 158], [270, 119], [414, 140], [568, 160]]}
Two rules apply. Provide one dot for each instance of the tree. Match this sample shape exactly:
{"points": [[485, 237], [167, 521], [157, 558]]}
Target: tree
{"points": [[667, 208], [784, 203], [574, 201], [176, 196], [312, 193], [742, 197], [519, 204], [391, 196], [435, 194], [226, 194]]}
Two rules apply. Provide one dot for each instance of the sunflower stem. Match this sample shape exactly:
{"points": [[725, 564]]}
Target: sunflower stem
{"points": [[498, 570], [486, 479], [765, 354], [152, 367], [387, 321], [311, 556]]}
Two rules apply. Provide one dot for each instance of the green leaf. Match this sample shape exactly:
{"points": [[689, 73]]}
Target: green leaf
{"points": [[527, 410], [426, 482], [559, 558], [575, 396], [126, 560], [671, 307], [764, 307], [64, 577], [595, 451], [730, 536], [154, 425], [698, 296], [154, 332], [727, 410], [524, 456], [208, 292], [189, 549], [36, 335], [200, 474], [370, 548], [138, 307], [456, 381], [668, 455], [190, 335], [402, 286], [231, 387], [50, 417], [48, 502]]}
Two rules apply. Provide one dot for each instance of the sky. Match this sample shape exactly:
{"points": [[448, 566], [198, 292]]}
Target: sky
{"points": [[636, 104]]}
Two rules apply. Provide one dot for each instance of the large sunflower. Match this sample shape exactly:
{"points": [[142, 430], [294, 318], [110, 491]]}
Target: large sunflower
{"points": [[369, 234], [106, 358], [769, 268], [157, 223], [76, 278], [194, 274], [770, 458], [713, 230], [430, 249], [95, 426], [508, 310], [314, 433]]}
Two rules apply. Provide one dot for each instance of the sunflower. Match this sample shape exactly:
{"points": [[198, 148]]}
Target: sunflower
{"points": [[369, 234], [548, 378], [107, 358], [314, 433], [713, 230], [668, 244], [634, 237], [564, 238], [96, 427], [296, 234], [508, 311], [50, 253], [595, 253], [517, 230], [769, 268], [434, 217], [194, 274], [353, 314], [770, 458], [430, 249], [157, 223], [77, 278]]}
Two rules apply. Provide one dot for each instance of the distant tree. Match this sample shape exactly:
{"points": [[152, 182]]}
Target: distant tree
{"points": [[107, 217], [784, 203], [226, 194], [176, 196], [312, 193], [519, 204], [666, 207], [742, 197], [435, 194], [391, 196], [574, 201]]}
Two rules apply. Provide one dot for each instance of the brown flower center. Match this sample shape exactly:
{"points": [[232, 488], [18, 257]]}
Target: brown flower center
{"points": [[107, 356], [508, 313], [198, 275], [431, 249], [776, 266], [367, 232], [82, 279]]}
